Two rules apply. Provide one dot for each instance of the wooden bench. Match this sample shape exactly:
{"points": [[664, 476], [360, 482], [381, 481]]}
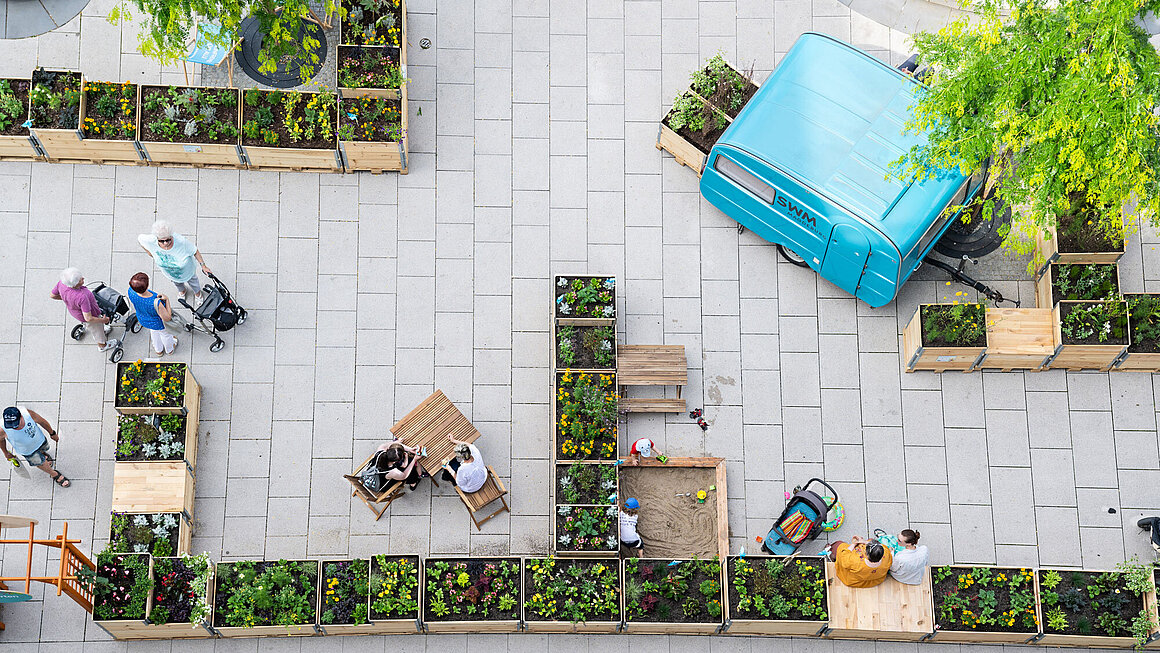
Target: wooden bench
{"points": [[652, 365], [892, 610], [492, 490], [650, 405]]}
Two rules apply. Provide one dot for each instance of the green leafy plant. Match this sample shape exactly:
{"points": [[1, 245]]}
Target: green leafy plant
{"points": [[125, 590], [1084, 282], [200, 115], [490, 593], [288, 118], [985, 598], [1105, 321], [368, 67], [394, 587], [1144, 319], [581, 483], [954, 325], [270, 593], [1050, 579], [1107, 604], [156, 533], [572, 590], [180, 590], [723, 86], [776, 589], [55, 99], [671, 590], [345, 585], [139, 439], [1056, 619], [370, 119], [13, 105], [586, 529], [566, 352], [586, 297]]}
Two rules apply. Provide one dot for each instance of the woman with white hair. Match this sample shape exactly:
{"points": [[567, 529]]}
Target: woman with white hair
{"points": [[82, 304], [175, 255]]}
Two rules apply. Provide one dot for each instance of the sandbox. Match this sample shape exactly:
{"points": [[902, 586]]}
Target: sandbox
{"points": [[678, 526]]}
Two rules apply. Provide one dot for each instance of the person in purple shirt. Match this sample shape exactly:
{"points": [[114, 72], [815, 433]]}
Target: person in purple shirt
{"points": [[82, 305]]}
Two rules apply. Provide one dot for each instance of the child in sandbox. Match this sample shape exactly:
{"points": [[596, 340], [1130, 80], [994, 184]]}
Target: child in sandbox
{"points": [[642, 447], [628, 517]]}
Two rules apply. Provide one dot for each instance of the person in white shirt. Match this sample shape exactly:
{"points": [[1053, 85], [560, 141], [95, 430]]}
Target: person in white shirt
{"points": [[642, 447], [910, 562], [628, 517], [467, 469]]}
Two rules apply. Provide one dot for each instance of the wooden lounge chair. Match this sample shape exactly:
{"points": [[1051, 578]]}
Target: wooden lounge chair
{"points": [[492, 490], [392, 491]]}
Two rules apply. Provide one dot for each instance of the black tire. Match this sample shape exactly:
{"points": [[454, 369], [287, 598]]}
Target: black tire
{"points": [[132, 324], [792, 257], [217, 345], [242, 314], [117, 355], [976, 238], [78, 331]]}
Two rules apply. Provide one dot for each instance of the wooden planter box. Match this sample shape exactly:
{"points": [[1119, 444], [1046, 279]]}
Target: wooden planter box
{"points": [[583, 322], [1080, 357], [664, 627], [17, 147], [155, 487], [1043, 294], [1018, 339], [191, 405], [1048, 249], [104, 150], [477, 626], [588, 627], [62, 145], [556, 502], [684, 151], [1137, 361], [195, 155], [937, 359], [184, 532], [376, 157], [300, 630], [398, 626], [191, 425], [183, 630], [1096, 641], [130, 628], [299, 159], [984, 636], [343, 629], [386, 93], [770, 626], [890, 611]]}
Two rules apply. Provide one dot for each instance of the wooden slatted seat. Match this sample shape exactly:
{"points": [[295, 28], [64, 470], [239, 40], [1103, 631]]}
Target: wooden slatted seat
{"points": [[429, 424], [650, 405], [652, 365], [392, 491], [492, 490]]}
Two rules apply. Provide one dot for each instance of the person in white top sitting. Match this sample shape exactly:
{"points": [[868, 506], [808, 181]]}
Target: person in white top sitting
{"points": [[910, 562], [628, 517], [466, 469]]}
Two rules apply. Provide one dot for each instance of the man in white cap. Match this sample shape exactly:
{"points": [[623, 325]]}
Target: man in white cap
{"points": [[642, 447]]}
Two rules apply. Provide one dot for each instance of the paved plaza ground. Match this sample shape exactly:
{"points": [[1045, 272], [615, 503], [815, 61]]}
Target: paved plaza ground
{"points": [[532, 136]]}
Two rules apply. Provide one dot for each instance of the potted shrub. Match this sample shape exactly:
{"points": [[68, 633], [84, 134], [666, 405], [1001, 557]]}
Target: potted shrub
{"points": [[160, 534], [288, 129], [462, 592], [1089, 334], [180, 605], [590, 529], [370, 71], [14, 140], [586, 297], [394, 594], [345, 587], [943, 337], [586, 484], [565, 595], [774, 595], [1079, 238], [54, 109], [156, 388], [254, 598], [586, 347], [121, 593], [1143, 354], [157, 438], [1097, 608], [701, 114], [1077, 282], [109, 121], [191, 125], [984, 604], [585, 416], [672, 596], [372, 134]]}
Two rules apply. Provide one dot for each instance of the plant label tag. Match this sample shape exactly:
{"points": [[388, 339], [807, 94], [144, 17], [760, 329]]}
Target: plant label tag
{"points": [[26, 123], [191, 148], [945, 359]]}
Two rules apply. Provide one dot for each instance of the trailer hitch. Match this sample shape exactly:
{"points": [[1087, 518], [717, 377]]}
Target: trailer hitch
{"points": [[958, 275]]}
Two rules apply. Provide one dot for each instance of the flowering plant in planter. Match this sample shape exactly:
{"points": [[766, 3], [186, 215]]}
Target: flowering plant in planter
{"points": [[585, 347], [394, 587], [680, 591], [54, 99], [586, 529], [110, 111], [593, 297], [1109, 604], [151, 384], [180, 590], [373, 22], [777, 589], [270, 593], [190, 115], [1078, 281], [368, 67], [984, 598], [123, 586], [370, 119], [476, 590], [586, 416], [150, 437], [344, 592], [572, 590], [1094, 323], [581, 483], [955, 325], [288, 119], [155, 533], [13, 106]]}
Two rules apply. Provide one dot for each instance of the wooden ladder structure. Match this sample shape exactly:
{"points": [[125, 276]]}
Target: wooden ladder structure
{"points": [[72, 560]]}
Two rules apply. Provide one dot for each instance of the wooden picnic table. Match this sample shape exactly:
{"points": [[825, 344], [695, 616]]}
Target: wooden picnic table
{"points": [[652, 365], [429, 424]]}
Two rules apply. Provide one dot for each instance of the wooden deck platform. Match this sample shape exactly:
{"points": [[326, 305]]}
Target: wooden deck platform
{"points": [[890, 611]]}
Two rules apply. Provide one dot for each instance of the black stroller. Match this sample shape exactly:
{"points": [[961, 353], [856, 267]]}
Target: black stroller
{"points": [[217, 313], [113, 306]]}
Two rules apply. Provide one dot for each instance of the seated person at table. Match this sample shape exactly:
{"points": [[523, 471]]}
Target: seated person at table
{"points": [[466, 469], [398, 462], [862, 563], [910, 561]]}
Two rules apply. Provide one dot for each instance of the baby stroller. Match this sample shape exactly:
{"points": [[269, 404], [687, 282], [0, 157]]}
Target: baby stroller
{"points": [[217, 312], [113, 306], [801, 520]]}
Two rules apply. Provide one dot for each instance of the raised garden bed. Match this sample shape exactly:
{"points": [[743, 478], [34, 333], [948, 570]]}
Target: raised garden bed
{"points": [[582, 297], [372, 133], [121, 593], [942, 337], [1077, 282], [156, 388], [664, 596], [55, 107], [587, 529], [476, 595], [180, 605], [1143, 353], [15, 142], [1018, 338], [775, 595], [565, 595], [1093, 608], [984, 604], [257, 598], [160, 534], [585, 484], [288, 129], [702, 113], [109, 122], [1089, 335], [395, 593], [152, 438], [375, 23], [370, 71], [585, 347], [585, 416], [1078, 239], [191, 125], [345, 605]]}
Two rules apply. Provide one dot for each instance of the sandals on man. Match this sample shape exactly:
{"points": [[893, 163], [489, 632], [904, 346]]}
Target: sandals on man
{"points": [[61, 480]]}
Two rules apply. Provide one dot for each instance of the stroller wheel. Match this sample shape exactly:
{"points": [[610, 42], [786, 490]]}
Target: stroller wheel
{"points": [[132, 324], [117, 355], [217, 345], [241, 315], [78, 331]]}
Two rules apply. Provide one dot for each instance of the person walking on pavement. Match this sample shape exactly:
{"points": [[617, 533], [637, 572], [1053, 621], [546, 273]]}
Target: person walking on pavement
{"points": [[176, 256], [82, 305], [25, 431], [153, 311]]}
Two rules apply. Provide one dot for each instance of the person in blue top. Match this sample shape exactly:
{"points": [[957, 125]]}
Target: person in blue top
{"points": [[24, 430], [153, 311], [176, 257]]}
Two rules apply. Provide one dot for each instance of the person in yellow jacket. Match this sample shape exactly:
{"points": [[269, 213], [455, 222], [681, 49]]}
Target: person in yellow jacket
{"points": [[861, 563]]}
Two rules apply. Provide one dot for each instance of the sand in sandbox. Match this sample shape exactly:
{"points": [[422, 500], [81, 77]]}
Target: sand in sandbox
{"points": [[672, 526]]}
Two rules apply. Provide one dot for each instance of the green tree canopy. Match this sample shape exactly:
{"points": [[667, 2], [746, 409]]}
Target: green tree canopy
{"points": [[1062, 93]]}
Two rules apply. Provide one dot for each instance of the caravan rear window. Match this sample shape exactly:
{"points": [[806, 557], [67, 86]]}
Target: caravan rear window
{"points": [[745, 179]]}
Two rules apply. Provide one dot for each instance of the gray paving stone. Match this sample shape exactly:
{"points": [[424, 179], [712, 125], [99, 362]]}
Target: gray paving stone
{"points": [[1088, 391], [1057, 528], [1054, 478], [1014, 514], [1007, 439], [973, 532], [1048, 421]]}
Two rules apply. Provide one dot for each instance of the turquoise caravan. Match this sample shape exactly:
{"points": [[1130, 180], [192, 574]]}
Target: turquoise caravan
{"points": [[806, 165]]}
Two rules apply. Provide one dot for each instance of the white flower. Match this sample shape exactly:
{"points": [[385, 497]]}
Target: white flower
{"points": [[613, 542], [565, 308], [611, 512], [565, 510], [562, 282], [565, 539], [608, 310]]}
